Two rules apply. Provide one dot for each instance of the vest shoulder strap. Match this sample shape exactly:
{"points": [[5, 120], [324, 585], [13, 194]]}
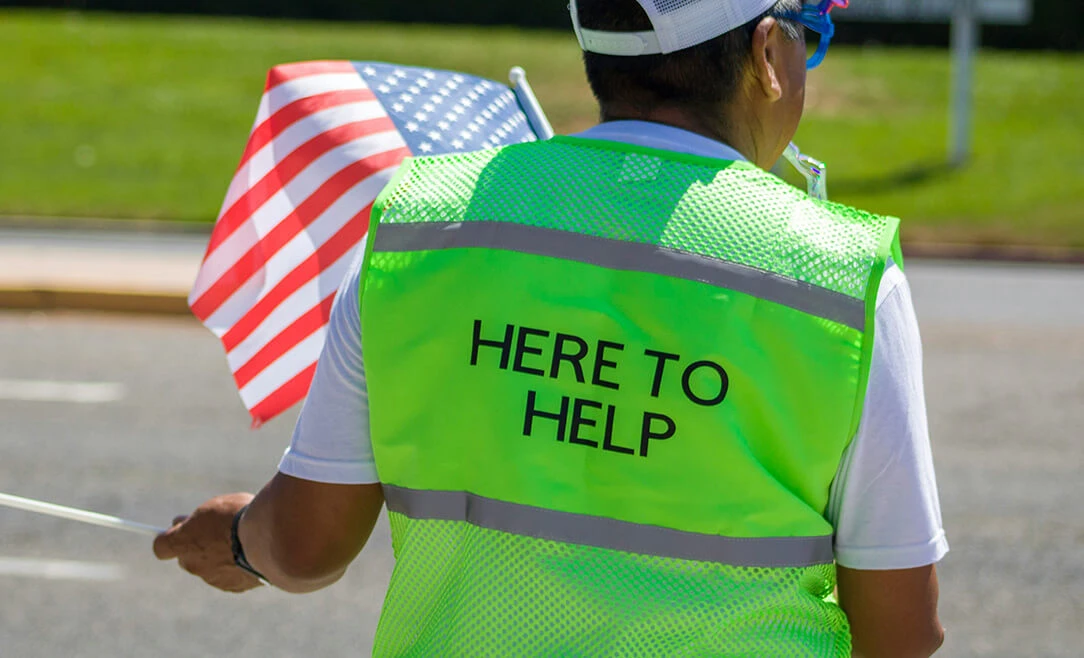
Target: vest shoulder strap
{"points": [[732, 212]]}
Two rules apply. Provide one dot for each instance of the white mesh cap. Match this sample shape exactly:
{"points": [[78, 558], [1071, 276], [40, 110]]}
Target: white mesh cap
{"points": [[679, 24]]}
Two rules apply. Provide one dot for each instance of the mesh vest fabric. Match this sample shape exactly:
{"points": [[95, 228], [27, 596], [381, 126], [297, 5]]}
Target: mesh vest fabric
{"points": [[609, 390]]}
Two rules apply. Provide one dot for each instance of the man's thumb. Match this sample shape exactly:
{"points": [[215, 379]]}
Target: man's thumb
{"points": [[164, 548]]}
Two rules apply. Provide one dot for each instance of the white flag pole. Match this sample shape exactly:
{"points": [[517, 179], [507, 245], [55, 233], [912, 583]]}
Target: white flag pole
{"points": [[529, 102], [82, 516]]}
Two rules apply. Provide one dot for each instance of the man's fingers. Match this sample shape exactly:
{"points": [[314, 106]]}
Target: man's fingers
{"points": [[164, 548], [200, 544], [233, 582], [241, 589], [165, 545]]}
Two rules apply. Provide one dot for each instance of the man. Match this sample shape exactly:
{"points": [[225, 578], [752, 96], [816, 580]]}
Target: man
{"points": [[621, 391]]}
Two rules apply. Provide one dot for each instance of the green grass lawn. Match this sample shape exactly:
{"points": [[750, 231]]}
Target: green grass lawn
{"points": [[146, 117]]}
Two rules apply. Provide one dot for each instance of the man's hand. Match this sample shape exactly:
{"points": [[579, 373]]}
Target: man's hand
{"points": [[201, 544], [300, 535]]}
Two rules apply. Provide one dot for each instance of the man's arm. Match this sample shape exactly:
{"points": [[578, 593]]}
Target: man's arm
{"points": [[314, 517], [300, 535], [303, 535], [885, 506], [893, 614]]}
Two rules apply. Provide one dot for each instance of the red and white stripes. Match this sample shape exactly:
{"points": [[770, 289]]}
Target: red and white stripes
{"points": [[321, 151]]}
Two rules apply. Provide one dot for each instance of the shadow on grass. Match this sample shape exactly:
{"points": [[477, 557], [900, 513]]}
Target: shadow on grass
{"points": [[908, 176]]}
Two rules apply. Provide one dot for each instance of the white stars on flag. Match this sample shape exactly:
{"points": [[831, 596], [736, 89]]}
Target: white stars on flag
{"points": [[440, 112], [290, 222]]}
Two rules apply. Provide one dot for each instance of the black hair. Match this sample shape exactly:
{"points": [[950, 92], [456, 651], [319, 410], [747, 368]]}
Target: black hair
{"points": [[702, 78]]}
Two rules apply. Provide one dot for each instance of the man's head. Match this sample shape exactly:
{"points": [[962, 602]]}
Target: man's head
{"points": [[744, 86]]}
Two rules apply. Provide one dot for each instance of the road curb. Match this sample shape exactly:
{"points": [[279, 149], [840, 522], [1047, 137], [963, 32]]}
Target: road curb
{"points": [[994, 253], [932, 250], [96, 224], [46, 297], [140, 303]]}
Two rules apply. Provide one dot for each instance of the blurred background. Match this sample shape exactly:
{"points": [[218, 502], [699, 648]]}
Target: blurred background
{"points": [[137, 115], [121, 125]]}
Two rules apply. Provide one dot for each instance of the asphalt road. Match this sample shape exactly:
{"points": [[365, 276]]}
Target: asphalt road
{"points": [[1004, 351]]}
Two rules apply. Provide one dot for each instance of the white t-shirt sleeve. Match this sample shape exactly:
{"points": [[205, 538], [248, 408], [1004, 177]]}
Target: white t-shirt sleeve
{"points": [[331, 441], [884, 503]]}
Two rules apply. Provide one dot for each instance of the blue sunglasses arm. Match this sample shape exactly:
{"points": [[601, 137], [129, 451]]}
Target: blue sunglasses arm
{"points": [[818, 20]]}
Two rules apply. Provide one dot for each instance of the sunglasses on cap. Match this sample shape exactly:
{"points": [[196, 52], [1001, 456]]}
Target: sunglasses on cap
{"points": [[817, 17]]}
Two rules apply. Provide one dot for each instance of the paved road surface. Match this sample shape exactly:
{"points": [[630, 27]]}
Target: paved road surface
{"points": [[1004, 350]]}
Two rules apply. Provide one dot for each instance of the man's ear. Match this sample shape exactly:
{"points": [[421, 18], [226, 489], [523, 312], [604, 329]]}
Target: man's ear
{"points": [[767, 58]]}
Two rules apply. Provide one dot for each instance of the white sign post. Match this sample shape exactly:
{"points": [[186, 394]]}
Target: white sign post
{"points": [[965, 43], [967, 17]]}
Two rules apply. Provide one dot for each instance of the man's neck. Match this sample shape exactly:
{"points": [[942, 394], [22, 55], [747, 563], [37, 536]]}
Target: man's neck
{"points": [[715, 129]]}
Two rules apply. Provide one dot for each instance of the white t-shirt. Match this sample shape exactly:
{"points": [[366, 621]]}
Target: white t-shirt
{"points": [[883, 505]]}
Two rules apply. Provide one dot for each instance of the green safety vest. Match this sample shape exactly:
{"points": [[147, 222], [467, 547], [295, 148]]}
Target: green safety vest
{"points": [[609, 390]]}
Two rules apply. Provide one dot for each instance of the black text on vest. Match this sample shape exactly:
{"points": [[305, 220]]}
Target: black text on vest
{"points": [[603, 365], [590, 423], [525, 350]]}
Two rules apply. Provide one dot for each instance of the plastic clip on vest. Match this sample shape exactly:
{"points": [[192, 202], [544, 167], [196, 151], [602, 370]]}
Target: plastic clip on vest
{"points": [[609, 390]]}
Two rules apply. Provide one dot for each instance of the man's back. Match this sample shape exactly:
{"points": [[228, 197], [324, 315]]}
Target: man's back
{"points": [[641, 393]]}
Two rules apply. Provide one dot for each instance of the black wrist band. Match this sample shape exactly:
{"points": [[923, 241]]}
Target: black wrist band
{"points": [[238, 551]]}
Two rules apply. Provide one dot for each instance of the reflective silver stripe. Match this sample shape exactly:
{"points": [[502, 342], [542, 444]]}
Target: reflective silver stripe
{"points": [[627, 256], [776, 552]]}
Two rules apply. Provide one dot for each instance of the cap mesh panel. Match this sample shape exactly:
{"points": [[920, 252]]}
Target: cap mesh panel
{"points": [[682, 24]]}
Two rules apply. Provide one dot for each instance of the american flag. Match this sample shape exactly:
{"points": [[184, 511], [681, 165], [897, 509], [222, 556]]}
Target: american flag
{"points": [[328, 137]]}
